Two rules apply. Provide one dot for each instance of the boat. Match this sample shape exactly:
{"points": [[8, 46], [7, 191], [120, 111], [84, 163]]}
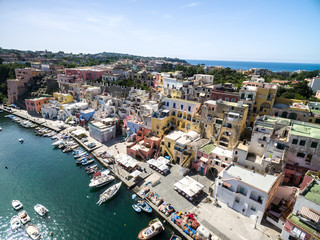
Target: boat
{"points": [[15, 222], [144, 206], [81, 154], [91, 167], [175, 237], [33, 231], [21, 140], [0, 128], [57, 143], [16, 204], [40, 209], [155, 227], [109, 193], [136, 207], [87, 162], [23, 215], [101, 180]]}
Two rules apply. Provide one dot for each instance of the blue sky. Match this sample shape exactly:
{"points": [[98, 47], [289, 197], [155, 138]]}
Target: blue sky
{"points": [[268, 30]]}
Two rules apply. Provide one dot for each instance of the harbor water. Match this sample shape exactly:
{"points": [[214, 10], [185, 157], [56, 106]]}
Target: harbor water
{"points": [[38, 173]]}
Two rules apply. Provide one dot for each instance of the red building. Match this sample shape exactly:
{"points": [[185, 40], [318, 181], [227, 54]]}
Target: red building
{"points": [[224, 95]]}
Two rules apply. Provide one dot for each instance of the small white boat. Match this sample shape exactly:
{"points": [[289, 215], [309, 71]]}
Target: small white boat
{"points": [[155, 227], [21, 140], [15, 222], [33, 231], [109, 193], [16, 204], [40, 209], [0, 128], [23, 215]]}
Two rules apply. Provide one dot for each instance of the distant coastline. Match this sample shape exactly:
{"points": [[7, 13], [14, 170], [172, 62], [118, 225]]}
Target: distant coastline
{"points": [[244, 65]]}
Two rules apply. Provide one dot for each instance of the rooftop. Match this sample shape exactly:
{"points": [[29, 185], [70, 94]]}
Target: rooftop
{"points": [[222, 152], [257, 180], [207, 149], [304, 130], [296, 221], [314, 194]]}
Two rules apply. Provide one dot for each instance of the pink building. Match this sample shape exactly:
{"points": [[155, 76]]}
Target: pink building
{"points": [[212, 160], [18, 86], [88, 74], [35, 105]]}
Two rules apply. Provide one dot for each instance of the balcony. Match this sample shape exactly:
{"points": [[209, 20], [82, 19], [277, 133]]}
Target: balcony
{"points": [[258, 199]]}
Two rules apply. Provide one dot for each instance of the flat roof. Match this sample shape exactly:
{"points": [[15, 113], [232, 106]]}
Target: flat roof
{"points": [[314, 194], [305, 130], [257, 180], [175, 135], [207, 149], [222, 152]]}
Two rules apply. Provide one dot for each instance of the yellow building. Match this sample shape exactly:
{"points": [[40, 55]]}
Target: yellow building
{"points": [[176, 114], [63, 98], [37, 72]]}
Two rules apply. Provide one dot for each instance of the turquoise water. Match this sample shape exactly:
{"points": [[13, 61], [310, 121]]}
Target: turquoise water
{"points": [[37, 173], [273, 66]]}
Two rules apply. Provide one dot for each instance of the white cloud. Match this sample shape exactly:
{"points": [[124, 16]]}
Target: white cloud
{"points": [[167, 16], [193, 4], [91, 19]]}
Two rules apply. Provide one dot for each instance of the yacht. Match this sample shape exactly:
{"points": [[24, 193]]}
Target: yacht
{"points": [[109, 193], [155, 227], [101, 180]]}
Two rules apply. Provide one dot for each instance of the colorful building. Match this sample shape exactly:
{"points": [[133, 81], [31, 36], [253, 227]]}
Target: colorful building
{"points": [[63, 98], [34, 105], [17, 87]]}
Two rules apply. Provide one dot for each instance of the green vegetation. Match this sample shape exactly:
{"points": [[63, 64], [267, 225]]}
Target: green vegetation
{"points": [[291, 76], [131, 83], [7, 72], [299, 91]]}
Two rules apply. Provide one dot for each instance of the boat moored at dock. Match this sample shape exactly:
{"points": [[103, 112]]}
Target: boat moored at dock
{"points": [[155, 227]]}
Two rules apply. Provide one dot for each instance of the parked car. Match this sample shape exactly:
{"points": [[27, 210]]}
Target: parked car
{"points": [[91, 145]]}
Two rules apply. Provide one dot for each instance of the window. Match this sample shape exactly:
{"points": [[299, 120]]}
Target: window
{"points": [[167, 104], [308, 159], [295, 141], [253, 208], [301, 155], [189, 108], [181, 106], [174, 105], [302, 143], [226, 159], [237, 200], [314, 144], [169, 145], [217, 163]]}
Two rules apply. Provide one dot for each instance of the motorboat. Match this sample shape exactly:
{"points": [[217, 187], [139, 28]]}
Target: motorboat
{"points": [[109, 193], [84, 153], [21, 140], [57, 143], [16, 204], [144, 206], [0, 128], [155, 227], [91, 167], [33, 231], [40, 209], [87, 162], [100, 180], [136, 207], [15, 222], [23, 215]]}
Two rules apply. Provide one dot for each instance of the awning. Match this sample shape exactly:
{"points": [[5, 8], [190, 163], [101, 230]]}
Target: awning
{"points": [[135, 174], [310, 214], [226, 184], [166, 111], [203, 159]]}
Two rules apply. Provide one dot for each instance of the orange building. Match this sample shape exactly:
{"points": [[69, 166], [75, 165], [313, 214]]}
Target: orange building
{"points": [[34, 105]]}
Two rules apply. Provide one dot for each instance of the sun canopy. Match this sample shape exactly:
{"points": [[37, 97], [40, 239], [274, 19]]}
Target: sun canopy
{"points": [[189, 186]]}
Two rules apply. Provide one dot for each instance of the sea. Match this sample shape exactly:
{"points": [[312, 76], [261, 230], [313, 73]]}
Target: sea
{"points": [[273, 66], [38, 173]]}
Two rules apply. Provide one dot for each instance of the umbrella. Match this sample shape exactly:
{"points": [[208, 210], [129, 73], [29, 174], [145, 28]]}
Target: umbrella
{"points": [[133, 196]]}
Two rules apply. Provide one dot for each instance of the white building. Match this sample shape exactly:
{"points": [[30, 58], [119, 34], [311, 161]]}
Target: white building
{"points": [[102, 132], [246, 191], [315, 84]]}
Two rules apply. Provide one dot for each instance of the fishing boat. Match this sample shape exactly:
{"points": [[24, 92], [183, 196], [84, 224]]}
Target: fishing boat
{"points": [[23, 215], [155, 227], [40, 209], [136, 208], [16, 204], [81, 154], [33, 231], [87, 162], [144, 206], [100, 180], [109, 193], [15, 222]]}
